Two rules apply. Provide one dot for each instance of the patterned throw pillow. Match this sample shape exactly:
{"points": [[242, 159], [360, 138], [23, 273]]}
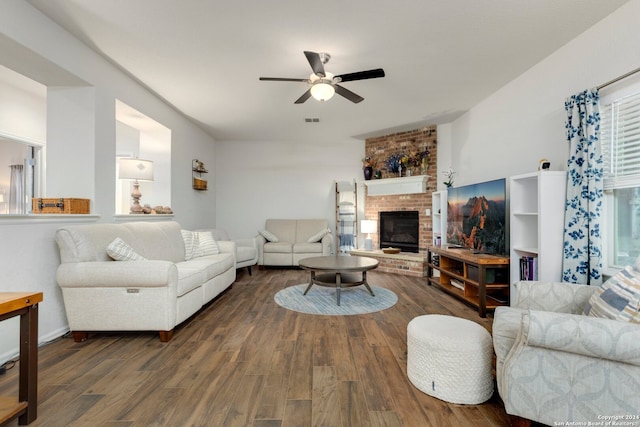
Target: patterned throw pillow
{"points": [[269, 235], [619, 297], [207, 245], [190, 243], [120, 251], [198, 243], [318, 236]]}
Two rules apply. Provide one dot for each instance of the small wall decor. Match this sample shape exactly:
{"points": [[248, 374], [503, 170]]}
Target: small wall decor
{"points": [[197, 169]]}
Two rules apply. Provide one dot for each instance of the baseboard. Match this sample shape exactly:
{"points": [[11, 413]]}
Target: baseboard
{"points": [[42, 340]]}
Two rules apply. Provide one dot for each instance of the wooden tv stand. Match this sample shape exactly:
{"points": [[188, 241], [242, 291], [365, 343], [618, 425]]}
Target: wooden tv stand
{"points": [[480, 280]]}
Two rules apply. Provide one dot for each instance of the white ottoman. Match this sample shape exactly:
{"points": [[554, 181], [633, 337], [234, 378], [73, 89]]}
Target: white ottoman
{"points": [[450, 358]]}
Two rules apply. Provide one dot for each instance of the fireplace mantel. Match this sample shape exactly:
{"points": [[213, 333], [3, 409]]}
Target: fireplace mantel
{"points": [[401, 185]]}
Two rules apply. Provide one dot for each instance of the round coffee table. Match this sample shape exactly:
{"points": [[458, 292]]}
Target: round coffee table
{"points": [[338, 272]]}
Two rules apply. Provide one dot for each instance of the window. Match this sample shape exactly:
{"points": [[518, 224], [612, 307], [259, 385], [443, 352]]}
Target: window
{"points": [[620, 138]]}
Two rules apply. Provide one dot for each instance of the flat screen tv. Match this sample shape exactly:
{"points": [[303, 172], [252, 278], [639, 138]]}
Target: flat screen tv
{"points": [[476, 217]]}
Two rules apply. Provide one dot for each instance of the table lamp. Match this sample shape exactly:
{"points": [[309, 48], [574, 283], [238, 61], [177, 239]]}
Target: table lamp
{"points": [[368, 226], [136, 170]]}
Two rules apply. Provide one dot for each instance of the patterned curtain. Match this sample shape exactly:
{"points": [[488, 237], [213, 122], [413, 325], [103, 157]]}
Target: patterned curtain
{"points": [[582, 261]]}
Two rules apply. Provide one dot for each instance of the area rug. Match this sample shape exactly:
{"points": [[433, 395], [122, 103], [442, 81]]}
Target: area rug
{"points": [[322, 300]]}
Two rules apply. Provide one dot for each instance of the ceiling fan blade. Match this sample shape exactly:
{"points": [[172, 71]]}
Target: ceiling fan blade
{"points": [[361, 75], [282, 79], [348, 94], [304, 97], [316, 63]]}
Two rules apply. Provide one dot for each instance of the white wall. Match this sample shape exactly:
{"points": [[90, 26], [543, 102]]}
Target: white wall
{"points": [[511, 130], [81, 137], [259, 180]]}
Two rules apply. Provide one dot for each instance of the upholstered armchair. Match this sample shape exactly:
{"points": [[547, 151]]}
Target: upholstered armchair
{"points": [[554, 364], [246, 249]]}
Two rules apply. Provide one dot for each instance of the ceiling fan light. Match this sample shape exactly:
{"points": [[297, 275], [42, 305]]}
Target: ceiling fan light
{"points": [[322, 91]]}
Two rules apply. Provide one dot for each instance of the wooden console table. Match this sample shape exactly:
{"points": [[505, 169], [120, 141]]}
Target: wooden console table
{"points": [[25, 305], [477, 279]]}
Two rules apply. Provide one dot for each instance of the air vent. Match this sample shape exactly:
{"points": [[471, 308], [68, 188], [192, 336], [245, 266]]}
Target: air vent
{"points": [[312, 120]]}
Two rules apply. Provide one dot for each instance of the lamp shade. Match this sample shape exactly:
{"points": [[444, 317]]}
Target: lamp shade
{"points": [[368, 226], [138, 169], [322, 91]]}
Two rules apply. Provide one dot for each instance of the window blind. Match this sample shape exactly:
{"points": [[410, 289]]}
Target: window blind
{"points": [[620, 138]]}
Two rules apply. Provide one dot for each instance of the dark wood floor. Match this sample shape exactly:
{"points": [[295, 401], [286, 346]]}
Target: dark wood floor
{"points": [[245, 361]]}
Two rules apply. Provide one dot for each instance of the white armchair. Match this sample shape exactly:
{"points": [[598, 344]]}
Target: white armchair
{"points": [[246, 249], [553, 364]]}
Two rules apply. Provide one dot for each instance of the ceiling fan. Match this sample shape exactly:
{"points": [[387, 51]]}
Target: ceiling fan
{"points": [[322, 84]]}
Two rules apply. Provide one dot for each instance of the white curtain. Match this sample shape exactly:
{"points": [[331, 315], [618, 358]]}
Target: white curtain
{"points": [[16, 190]]}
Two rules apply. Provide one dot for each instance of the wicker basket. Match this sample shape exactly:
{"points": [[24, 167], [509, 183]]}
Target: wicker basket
{"points": [[60, 206], [199, 184]]}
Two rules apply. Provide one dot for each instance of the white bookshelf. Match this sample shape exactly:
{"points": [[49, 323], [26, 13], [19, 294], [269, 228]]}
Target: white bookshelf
{"points": [[537, 223], [439, 216]]}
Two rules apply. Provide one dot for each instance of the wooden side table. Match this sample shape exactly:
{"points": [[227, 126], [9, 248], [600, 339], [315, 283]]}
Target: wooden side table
{"points": [[25, 305]]}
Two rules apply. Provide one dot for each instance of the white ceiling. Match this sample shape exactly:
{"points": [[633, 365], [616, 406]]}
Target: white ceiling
{"points": [[440, 57]]}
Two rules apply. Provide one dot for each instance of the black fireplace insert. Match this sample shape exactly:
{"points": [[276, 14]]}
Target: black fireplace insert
{"points": [[399, 229]]}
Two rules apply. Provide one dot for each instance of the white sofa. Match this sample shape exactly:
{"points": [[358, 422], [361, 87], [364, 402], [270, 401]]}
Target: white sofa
{"points": [[292, 243], [155, 294]]}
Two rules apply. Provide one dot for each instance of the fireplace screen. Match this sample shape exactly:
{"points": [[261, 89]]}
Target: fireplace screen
{"points": [[399, 229]]}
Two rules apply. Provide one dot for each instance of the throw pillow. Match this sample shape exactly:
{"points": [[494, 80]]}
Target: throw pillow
{"points": [[318, 236], [120, 251], [207, 245], [190, 243], [619, 297], [199, 243], [269, 235]]}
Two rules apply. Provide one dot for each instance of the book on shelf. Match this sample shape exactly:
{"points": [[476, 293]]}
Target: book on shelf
{"points": [[528, 268], [502, 299], [457, 284]]}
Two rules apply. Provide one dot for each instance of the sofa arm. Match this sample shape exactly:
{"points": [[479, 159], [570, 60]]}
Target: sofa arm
{"points": [[260, 241], [117, 274], [588, 336], [327, 244], [252, 242], [558, 297]]}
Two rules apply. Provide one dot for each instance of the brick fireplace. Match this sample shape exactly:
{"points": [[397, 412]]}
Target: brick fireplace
{"points": [[379, 150]]}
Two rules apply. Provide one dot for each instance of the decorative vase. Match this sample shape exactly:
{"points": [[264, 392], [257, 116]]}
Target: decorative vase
{"points": [[400, 170], [368, 172]]}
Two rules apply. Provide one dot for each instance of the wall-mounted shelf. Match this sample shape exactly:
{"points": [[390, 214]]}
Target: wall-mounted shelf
{"points": [[197, 169], [401, 185]]}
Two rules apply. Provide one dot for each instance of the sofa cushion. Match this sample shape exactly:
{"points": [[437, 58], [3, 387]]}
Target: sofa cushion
{"points": [[278, 247], [319, 235], [307, 248], [269, 236], [211, 265], [119, 250], [285, 229], [305, 228], [619, 297]]}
